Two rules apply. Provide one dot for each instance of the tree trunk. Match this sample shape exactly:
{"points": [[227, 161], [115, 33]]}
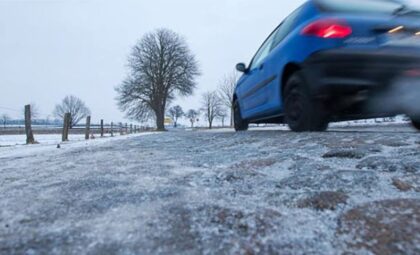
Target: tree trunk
{"points": [[210, 124], [160, 120]]}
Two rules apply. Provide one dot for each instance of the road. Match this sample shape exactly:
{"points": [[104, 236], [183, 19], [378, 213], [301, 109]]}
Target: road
{"points": [[264, 191]]}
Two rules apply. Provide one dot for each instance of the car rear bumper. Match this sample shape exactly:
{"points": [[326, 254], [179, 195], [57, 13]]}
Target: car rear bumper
{"points": [[357, 78], [355, 69]]}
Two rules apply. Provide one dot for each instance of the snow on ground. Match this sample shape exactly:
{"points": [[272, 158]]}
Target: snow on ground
{"points": [[12, 140], [349, 190], [48, 143]]}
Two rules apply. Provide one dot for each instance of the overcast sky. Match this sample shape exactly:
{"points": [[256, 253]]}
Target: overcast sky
{"points": [[52, 48]]}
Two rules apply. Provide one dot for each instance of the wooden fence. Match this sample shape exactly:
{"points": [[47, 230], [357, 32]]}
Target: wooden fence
{"points": [[89, 130]]}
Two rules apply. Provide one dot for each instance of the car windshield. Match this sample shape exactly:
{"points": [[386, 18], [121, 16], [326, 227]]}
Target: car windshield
{"points": [[369, 6]]}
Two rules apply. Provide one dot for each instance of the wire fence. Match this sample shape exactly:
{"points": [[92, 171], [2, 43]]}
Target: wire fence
{"points": [[95, 129], [30, 129]]}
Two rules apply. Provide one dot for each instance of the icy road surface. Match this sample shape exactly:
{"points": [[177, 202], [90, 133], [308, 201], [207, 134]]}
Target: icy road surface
{"points": [[267, 191]]}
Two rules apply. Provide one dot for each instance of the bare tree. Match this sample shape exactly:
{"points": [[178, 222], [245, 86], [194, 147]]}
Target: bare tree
{"points": [[176, 112], [35, 112], [161, 66], [212, 106], [226, 91], [4, 119], [192, 116], [222, 115], [73, 105]]}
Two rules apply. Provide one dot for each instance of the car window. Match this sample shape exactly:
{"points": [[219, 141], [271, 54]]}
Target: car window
{"points": [[275, 38], [363, 6], [286, 27], [263, 52]]}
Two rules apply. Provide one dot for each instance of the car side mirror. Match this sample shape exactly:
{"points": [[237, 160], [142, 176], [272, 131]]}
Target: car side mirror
{"points": [[241, 67]]}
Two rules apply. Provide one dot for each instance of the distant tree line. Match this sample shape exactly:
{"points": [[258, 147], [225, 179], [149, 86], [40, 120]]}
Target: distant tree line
{"points": [[70, 104], [39, 122]]}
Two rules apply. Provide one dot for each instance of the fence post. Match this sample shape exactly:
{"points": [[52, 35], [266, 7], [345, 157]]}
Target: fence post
{"points": [[87, 130], [66, 126], [126, 128], [135, 129], [112, 129], [131, 128], [121, 129], [102, 128], [28, 126]]}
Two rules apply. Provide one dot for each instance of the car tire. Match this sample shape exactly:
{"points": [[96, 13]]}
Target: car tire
{"points": [[416, 123], [239, 123], [302, 112]]}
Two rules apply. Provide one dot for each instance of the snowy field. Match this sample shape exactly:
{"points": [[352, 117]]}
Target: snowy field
{"points": [[12, 140], [45, 139], [352, 190]]}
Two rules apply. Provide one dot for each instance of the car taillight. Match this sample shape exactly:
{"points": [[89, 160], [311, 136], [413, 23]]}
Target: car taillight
{"points": [[328, 29], [413, 72]]}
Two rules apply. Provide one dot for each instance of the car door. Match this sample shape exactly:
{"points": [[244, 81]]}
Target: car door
{"points": [[254, 81], [279, 56]]}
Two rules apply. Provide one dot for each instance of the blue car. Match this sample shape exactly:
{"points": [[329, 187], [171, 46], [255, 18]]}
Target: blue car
{"points": [[334, 60]]}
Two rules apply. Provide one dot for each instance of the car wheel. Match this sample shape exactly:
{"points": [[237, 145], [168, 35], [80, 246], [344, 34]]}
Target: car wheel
{"points": [[239, 123], [416, 123], [302, 112]]}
